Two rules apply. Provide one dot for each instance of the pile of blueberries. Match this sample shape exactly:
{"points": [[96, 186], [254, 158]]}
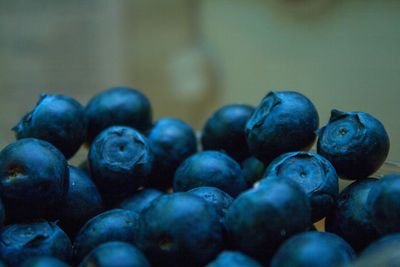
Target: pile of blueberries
{"points": [[246, 192]]}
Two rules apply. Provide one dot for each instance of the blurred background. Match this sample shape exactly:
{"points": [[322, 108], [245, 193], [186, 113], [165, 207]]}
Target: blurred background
{"points": [[192, 56]]}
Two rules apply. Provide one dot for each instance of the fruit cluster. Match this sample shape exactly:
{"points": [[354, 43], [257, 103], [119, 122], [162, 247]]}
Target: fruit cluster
{"points": [[245, 193]]}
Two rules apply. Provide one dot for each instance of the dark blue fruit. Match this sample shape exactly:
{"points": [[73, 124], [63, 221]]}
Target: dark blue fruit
{"points": [[260, 219], [19, 242], [315, 249], [383, 252], [57, 119], [115, 254], [180, 229], [210, 168], [44, 261], [120, 161], [216, 197], [81, 203], [384, 199], [118, 106], [112, 225], [140, 200], [33, 179], [233, 259], [351, 218], [224, 131], [355, 143], [253, 170], [172, 141], [314, 174], [284, 121]]}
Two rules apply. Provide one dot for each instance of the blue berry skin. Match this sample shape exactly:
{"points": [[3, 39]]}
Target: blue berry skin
{"points": [[19, 242], [122, 106], [284, 121], [351, 218], [180, 229], [355, 143], [384, 199], [44, 261], [210, 168], [314, 174], [224, 131], [253, 170], [172, 141], [140, 200], [81, 203], [263, 217], [115, 254], [112, 225], [385, 249], [120, 161], [214, 196], [317, 249], [233, 259], [57, 119], [34, 179]]}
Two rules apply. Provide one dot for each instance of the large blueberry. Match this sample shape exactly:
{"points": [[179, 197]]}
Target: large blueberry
{"points": [[140, 200], [44, 261], [118, 106], [57, 119], [311, 172], [112, 225], [253, 170], [19, 242], [115, 254], [315, 249], [233, 259], [172, 141], [180, 229], [210, 168], [383, 252], [120, 161], [260, 219], [224, 131], [284, 121], [33, 178], [384, 199], [351, 218], [216, 197], [355, 143], [81, 203]]}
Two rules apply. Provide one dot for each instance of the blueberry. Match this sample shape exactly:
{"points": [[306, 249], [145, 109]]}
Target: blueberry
{"points": [[351, 218], [383, 252], [314, 174], [81, 203], [115, 254], [140, 200], [180, 229], [118, 106], [172, 141], [33, 179], [44, 261], [19, 242], [355, 143], [120, 161], [57, 119], [210, 168], [216, 197], [260, 219], [224, 131], [284, 121], [112, 225], [233, 259], [314, 249], [384, 199], [253, 170]]}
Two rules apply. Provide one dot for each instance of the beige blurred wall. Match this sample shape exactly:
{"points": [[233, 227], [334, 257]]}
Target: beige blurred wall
{"points": [[190, 57]]}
